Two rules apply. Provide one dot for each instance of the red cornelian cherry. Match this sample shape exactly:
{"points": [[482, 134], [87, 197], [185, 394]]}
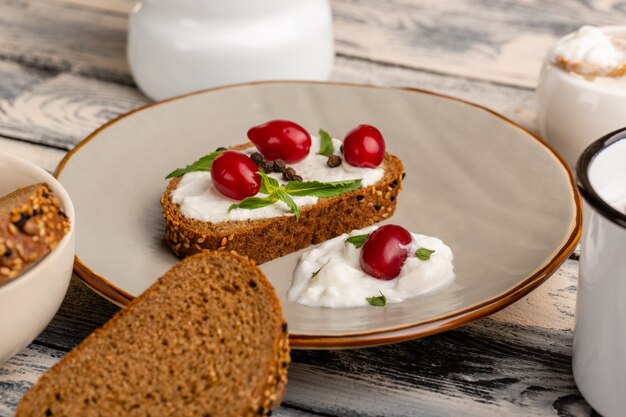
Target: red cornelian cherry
{"points": [[364, 147], [384, 252], [235, 175], [281, 139]]}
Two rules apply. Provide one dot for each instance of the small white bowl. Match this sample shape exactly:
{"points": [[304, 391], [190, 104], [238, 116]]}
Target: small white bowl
{"points": [[29, 301]]}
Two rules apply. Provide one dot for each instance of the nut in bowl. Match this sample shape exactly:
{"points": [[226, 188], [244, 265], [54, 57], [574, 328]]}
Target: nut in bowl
{"points": [[39, 266]]}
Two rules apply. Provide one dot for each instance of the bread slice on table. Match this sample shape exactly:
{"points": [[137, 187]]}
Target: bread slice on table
{"points": [[270, 238], [207, 339], [31, 225]]}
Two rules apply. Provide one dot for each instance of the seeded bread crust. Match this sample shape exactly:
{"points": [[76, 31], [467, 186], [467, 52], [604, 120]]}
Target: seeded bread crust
{"points": [[267, 239], [31, 225], [207, 339]]}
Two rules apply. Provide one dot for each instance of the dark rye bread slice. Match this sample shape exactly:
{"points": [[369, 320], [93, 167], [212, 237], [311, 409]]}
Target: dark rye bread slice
{"points": [[267, 239], [207, 339], [31, 225]]}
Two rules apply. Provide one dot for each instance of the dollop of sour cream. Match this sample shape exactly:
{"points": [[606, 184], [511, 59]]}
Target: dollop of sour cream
{"points": [[589, 45], [199, 199], [330, 275]]}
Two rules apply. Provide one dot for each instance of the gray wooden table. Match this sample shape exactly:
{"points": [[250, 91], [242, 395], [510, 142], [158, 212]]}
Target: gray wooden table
{"points": [[63, 72]]}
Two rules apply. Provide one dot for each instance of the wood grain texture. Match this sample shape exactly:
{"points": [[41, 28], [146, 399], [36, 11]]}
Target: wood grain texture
{"points": [[513, 102], [502, 41], [20, 372], [58, 109], [58, 37], [46, 158]]}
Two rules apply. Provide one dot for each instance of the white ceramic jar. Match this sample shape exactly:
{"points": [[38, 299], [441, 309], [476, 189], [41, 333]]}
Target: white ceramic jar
{"points": [[175, 47], [573, 111], [599, 359]]}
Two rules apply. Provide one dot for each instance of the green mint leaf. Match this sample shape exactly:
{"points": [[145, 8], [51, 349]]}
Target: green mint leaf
{"points": [[318, 271], [326, 143], [357, 240], [423, 254], [283, 196], [202, 164], [253, 203], [268, 184], [377, 300], [321, 189]]}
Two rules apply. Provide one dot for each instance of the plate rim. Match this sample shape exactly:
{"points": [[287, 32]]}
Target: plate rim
{"points": [[438, 324]]}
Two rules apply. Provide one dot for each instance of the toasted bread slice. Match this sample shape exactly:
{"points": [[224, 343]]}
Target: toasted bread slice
{"points": [[207, 339], [270, 238], [31, 225]]}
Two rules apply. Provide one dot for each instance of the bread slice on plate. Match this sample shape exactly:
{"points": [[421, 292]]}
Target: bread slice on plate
{"points": [[31, 225], [207, 339], [269, 238]]}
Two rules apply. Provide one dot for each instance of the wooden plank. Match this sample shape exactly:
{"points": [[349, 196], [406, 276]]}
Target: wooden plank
{"points": [[54, 36], [58, 109], [20, 372], [513, 102], [46, 158], [502, 42]]}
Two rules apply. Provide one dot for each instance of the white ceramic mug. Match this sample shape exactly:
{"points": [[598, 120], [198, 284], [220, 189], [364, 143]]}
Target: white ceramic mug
{"points": [[572, 112], [175, 47], [600, 336]]}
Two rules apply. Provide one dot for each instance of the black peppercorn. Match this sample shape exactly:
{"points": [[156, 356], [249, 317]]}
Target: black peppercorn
{"points": [[333, 161], [279, 165], [289, 173], [267, 167], [257, 158]]}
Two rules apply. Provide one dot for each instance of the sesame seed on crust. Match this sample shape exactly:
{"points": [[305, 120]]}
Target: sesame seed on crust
{"points": [[31, 225]]}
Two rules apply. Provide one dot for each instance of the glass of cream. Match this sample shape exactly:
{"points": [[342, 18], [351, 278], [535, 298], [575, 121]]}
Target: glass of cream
{"points": [[582, 89]]}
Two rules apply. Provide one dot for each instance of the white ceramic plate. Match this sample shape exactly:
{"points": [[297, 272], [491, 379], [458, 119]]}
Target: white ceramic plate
{"points": [[501, 199]]}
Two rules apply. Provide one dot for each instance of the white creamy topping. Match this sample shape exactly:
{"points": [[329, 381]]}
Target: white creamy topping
{"points": [[589, 45], [198, 199], [342, 283]]}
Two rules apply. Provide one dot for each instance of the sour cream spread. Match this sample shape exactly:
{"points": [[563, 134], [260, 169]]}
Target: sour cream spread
{"points": [[590, 51], [198, 199], [330, 275]]}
